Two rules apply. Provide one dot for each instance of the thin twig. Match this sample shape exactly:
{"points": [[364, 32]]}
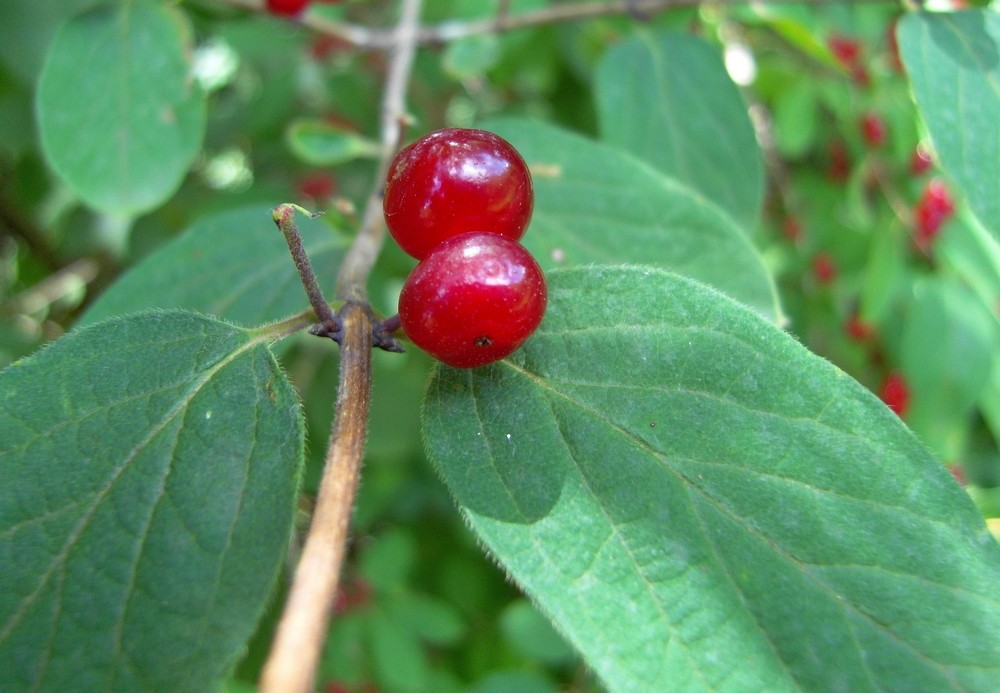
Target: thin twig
{"points": [[284, 218], [363, 253], [299, 640]]}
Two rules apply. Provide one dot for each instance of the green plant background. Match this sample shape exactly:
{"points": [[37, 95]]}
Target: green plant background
{"points": [[697, 501]]}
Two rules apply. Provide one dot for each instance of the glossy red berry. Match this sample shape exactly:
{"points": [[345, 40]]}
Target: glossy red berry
{"points": [[473, 300], [452, 182], [287, 8]]}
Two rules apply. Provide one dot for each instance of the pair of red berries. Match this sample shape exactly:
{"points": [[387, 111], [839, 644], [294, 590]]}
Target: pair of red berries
{"points": [[459, 200], [291, 8]]}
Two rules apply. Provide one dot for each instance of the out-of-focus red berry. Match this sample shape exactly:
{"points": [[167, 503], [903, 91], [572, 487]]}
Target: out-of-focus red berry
{"points": [[792, 228], [920, 161], [351, 596], [324, 46], [824, 268], [933, 209], [840, 162], [287, 8], [896, 393], [893, 45], [861, 76], [857, 329], [318, 185], [845, 49], [956, 471], [872, 129]]}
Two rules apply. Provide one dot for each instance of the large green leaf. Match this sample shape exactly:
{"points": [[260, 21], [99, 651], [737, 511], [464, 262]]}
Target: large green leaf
{"points": [[953, 61], [144, 512], [120, 118], [234, 265], [702, 504], [596, 204], [666, 97]]}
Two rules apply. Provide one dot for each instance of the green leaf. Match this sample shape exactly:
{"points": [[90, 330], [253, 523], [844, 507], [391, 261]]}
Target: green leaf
{"points": [[702, 504], [947, 353], [531, 634], [233, 265], [666, 98], [471, 57], [953, 61], [120, 119], [144, 511], [321, 143], [27, 27], [595, 204]]}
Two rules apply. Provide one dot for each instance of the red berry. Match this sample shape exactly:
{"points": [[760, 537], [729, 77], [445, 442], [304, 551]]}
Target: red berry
{"points": [[287, 8], [861, 76], [318, 186], [873, 129], [845, 49], [456, 181], [824, 268], [933, 209], [893, 44], [920, 161], [840, 162], [896, 393], [792, 229], [857, 329], [473, 300], [958, 473]]}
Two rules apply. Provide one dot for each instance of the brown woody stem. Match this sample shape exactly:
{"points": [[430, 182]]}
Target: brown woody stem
{"points": [[298, 643]]}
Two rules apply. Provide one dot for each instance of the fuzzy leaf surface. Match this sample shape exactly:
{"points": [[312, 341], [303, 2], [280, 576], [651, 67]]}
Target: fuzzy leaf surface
{"points": [[666, 98], [597, 204], [700, 503], [953, 62], [234, 265], [144, 511], [120, 118]]}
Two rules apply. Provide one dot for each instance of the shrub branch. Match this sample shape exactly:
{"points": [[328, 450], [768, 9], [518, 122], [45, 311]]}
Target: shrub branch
{"points": [[301, 633]]}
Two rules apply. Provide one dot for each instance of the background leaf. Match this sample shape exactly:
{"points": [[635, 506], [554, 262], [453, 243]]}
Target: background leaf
{"points": [[144, 512], [120, 119], [666, 98], [594, 204], [948, 347], [320, 143], [953, 62], [234, 264], [685, 489]]}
